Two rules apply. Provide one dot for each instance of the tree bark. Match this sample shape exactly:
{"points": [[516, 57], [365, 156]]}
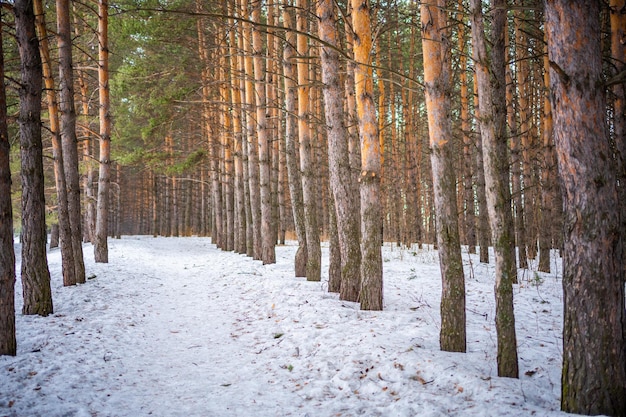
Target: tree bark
{"points": [[491, 95], [342, 184], [101, 249], [594, 341], [437, 64], [35, 273], [371, 293], [268, 252], [68, 269], [314, 252], [293, 169], [69, 140], [8, 343]]}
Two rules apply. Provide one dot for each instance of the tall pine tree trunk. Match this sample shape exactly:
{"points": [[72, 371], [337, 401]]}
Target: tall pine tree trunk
{"points": [[35, 273], [594, 345], [437, 82], [268, 252], [293, 166], [68, 268], [314, 252], [490, 77], [101, 249], [371, 293], [8, 343], [69, 140], [342, 184]]}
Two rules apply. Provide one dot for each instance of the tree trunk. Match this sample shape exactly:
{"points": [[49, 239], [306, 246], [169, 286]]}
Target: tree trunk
{"points": [[69, 140], [342, 184], [468, 183], [594, 345], [516, 185], [35, 273], [371, 293], [548, 173], [618, 55], [253, 152], [101, 249], [334, 250], [293, 169], [484, 232], [314, 252], [437, 85], [491, 95], [8, 343], [268, 252], [63, 228]]}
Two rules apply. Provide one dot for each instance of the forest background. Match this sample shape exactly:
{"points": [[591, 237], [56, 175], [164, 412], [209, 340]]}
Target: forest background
{"points": [[410, 122]]}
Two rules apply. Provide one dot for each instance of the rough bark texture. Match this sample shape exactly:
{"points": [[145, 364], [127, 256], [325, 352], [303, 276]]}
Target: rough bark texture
{"points": [[268, 252], [483, 230], [491, 95], [101, 249], [342, 184], [69, 140], [437, 82], [334, 251], [618, 55], [314, 253], [35, 274], [594, 345], [63, 228], [8, 344], [293, 170], [371, 293]]}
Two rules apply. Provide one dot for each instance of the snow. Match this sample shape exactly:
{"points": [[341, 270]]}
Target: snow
{"points": [[176, 327]]}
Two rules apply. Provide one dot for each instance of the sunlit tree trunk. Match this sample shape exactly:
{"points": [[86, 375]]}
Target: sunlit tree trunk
{"points": [[8, 343], [314, 253], [268, 241], [69, 140], [437, 82], [293, 166], [35, 274], [371, 293], [64, 229], [342, 182], [594, 345], [101, 249], [490, 77]]}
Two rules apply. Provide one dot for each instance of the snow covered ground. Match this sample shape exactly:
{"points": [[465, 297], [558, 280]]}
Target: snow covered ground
{"points": [[175, 327]]}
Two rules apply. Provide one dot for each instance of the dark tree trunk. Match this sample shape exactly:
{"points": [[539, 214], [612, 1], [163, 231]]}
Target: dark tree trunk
{"points": [[594, 345], [35, 274], [8, 344]]}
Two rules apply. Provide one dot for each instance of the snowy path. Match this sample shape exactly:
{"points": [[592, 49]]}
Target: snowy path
{"points": [[175, 327]]}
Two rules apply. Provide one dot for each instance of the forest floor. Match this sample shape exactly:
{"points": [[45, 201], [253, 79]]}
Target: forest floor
{"points": [[175, 327]]}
